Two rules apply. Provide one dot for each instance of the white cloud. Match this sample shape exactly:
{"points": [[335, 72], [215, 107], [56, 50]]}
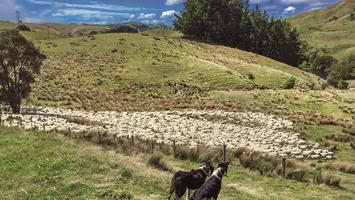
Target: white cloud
{"points": [[290, 9], [173, 2], [109, 7], [146, 16], [88, 14], [167, 14]]}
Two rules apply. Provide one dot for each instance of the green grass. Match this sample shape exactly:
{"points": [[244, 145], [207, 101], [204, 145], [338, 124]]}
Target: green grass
{"points": [[109, 67], [337, 36], [36, 165]]}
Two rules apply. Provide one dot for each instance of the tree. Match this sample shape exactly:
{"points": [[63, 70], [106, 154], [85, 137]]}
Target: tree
{"points": [[317, 61], [344, 70], [233, 23], [20, 61]]}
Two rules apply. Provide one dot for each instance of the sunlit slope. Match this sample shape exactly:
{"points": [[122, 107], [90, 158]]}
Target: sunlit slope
{"points": [[333, 28], [154, 64]]}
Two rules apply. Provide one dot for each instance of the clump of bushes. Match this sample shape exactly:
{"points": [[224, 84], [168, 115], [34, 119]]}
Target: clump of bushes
{"points": [[156, 161], [290, 83], [23, 27]]}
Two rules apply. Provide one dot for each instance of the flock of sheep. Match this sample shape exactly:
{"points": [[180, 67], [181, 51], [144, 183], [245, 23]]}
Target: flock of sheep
{"points": [[256, 131]]}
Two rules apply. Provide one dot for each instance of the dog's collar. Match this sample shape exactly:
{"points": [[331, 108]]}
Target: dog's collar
{"points": [[204, 171]]}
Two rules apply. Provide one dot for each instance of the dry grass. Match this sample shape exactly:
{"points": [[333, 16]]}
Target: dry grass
{"points": [[156, 161], [271, 166], [341, 166], [331, 180]]}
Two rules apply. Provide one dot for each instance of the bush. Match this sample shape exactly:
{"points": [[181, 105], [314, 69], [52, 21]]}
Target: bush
{"points": [[342, 85], [264, 168], [126, 173], [156, 161], [290, 83], [184, 153], [251, 76], [297, 174], [324, 86], [333, 18], [23, 27], [331, 180]]}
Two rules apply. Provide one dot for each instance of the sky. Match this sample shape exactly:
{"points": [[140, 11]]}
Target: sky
{"points": [[119, 11]]}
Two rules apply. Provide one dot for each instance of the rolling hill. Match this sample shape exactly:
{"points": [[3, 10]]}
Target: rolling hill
{"points": [[332, 28], [156, 65]]}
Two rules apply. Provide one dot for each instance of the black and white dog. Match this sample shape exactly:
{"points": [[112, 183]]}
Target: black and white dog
{"points": [[193, 180], [211, 188]]}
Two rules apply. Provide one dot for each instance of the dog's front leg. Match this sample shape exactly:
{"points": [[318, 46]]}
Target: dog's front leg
{"points": [[188, 194]]}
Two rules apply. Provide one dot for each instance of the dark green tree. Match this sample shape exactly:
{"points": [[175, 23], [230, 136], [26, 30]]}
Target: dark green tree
{"points": [[20, 61], [233, 23]]}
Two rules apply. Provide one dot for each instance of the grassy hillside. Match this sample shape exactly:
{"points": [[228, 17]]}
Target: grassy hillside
{"points": [[157, 64], [333, 28], [35, 165]]}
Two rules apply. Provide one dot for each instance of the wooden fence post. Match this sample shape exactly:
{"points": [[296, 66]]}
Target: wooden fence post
{"points": [[69, 132], [174, 148], [152, 147], [198, 148], [99, 137], [283, 167], [132, 140], [114, 139], [224, 152]]}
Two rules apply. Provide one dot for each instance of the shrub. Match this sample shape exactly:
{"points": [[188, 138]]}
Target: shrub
{"points": [[298, 173], [264, 168], [290, 83], [23, 27], [342, 85], [331, 180], [333, 18], [126, 173], [156, 161], [324, 86], [352, 16], [184, 153], [251, 76]]}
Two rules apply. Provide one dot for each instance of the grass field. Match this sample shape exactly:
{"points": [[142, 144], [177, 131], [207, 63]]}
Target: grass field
{"points": [[35, 165], [331, 28]]}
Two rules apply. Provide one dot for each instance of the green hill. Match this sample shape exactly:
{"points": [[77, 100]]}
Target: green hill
{"points": [[333, 28], [157, 64]]}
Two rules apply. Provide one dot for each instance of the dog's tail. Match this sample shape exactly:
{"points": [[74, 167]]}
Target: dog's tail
{"points": [[172, 186]]}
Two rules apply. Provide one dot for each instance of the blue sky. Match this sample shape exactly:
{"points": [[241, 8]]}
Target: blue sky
{"points": [[114, 11]]}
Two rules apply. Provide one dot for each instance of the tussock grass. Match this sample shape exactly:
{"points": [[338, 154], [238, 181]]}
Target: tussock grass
{"points": [[341, 166]]}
